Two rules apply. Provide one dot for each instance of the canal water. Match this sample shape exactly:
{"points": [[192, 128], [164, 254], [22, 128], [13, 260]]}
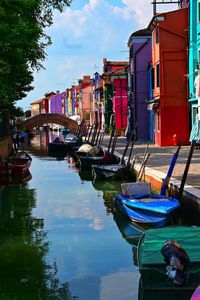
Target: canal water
{"points": [[59, 236]]}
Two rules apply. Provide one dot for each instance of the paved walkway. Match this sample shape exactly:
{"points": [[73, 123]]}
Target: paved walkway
{"points": [[160, 159]]}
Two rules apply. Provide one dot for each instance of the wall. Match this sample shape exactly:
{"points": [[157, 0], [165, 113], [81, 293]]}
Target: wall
{"points": [[5, 147], [120, 106], [171, 53]]}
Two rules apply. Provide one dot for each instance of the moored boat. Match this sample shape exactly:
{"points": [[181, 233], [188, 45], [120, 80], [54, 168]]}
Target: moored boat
{"points": [[139, 204], [115, 170], [89, 155], [16, 165], [152, 265]]}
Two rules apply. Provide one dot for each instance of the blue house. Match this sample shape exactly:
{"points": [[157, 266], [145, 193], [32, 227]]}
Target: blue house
{"points": [[194, 57]]}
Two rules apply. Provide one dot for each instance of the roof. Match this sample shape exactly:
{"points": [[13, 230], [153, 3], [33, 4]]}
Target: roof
{"points": [[161, 17], [117, 72], [38, 101], [142, 33], [116, 63]]}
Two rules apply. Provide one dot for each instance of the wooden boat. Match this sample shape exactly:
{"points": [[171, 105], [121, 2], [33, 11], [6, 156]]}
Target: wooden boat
{"points": [[16, 165], [72, 140], [151, 264], [137, 202], [89, 155], [115, 170], [111, 171], [62, 147]]}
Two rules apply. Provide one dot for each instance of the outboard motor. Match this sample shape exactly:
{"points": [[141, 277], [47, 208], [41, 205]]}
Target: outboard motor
{"points": [[177, 262]]}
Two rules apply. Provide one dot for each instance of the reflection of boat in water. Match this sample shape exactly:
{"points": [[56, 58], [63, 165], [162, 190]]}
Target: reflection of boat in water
{"points": [[85, 174], [10, 180], [129, 231], [104, 185]]}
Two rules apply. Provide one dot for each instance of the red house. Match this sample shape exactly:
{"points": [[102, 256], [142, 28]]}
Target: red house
{"points": [[120, 99], [115, 81], [169, 72]]}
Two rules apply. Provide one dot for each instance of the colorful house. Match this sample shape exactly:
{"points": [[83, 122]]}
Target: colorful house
{"points": [[120, 99], [41, 106], [140, 55], [108, 89], [98, 97], [194, 57], [86, 99], [57, 103], [169, 68]]}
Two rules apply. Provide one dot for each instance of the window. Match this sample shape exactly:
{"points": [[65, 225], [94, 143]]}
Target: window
{"points": [[157, 34], [158, 75]]}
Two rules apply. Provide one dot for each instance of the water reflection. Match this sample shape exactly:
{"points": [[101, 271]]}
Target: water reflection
{"points": [[129, 231], [24, 245], [20, 179]]}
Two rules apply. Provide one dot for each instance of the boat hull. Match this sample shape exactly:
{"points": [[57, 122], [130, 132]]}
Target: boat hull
{"points": [[154, 203], [142, 216], [16, 165], [111, 171]]}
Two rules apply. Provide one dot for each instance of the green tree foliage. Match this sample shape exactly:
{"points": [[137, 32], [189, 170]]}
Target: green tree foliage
{"points": [[22, 44]]}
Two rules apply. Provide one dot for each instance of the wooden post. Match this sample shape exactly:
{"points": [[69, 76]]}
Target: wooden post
{"points": [[193, 144]]}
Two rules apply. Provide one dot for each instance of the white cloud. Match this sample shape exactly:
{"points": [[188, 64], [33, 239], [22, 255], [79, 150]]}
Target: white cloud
{"points": [[82, 37], [140, 11]]}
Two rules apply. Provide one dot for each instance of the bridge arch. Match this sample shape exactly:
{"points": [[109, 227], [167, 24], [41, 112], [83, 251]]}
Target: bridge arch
{"points": [[41, 119]]}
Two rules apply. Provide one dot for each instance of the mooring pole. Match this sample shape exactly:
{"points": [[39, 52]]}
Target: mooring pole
{"points": [[193, 144]]}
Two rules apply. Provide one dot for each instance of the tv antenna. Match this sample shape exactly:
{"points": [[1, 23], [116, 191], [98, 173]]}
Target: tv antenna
{"points": [[155, 2]]}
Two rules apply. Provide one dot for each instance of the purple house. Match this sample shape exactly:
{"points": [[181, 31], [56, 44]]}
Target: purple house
{"points": [[140, 55], [57, 103]]}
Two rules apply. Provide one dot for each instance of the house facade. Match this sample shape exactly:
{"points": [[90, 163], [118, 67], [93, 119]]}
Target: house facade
{"points": [[108, 91], [120, 99], [140, 55], [57, 103], [86, 99], [194, 58], [169, 68], [41, 106]]}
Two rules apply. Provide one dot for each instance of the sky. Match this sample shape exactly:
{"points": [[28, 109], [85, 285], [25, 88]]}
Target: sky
{"points": [[84, 34]]}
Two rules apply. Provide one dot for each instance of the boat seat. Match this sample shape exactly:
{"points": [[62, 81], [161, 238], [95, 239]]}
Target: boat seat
{"points": [[135, 188]]}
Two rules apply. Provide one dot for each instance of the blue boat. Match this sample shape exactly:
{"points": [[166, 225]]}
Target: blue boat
{"points": [[141, 206]]}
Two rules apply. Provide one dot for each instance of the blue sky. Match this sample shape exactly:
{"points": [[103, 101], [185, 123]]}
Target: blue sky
{"points": [[83, 35]]}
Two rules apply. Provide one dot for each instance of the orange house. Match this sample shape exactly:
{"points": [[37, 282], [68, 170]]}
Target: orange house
{"points": [[86, 99], [169, 73]]}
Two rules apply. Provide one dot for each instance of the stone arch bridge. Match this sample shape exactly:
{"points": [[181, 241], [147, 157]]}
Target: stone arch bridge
{"points": [[41, 119]]}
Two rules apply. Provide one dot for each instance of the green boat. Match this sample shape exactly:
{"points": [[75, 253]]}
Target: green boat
{"points": [[151, 262]]}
